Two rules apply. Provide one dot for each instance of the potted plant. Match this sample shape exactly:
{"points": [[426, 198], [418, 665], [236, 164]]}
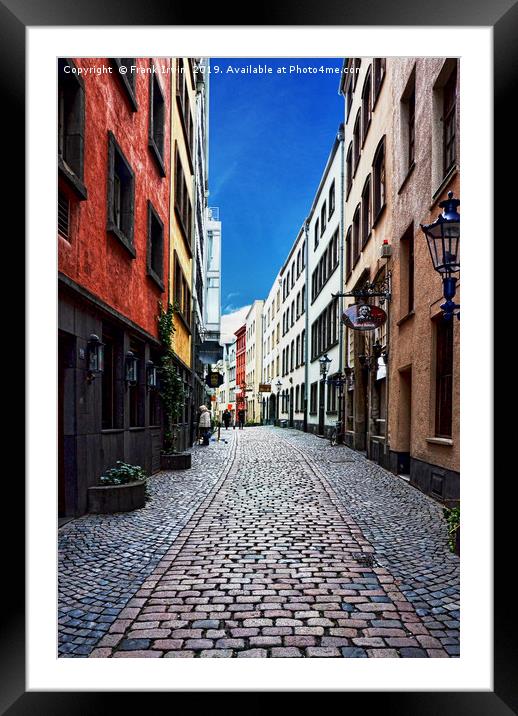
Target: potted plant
{"points": [[121, 488], [452, 516], [171, 392]]}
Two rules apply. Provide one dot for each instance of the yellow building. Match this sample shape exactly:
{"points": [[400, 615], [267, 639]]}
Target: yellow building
{"points": [[182, 219]]}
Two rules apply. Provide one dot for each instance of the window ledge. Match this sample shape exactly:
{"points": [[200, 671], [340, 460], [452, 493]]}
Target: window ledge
{"points": [[137, 429], [407, 177], [156, 278], [379, 216], [115, 231], [442, 186], [447, 442], [112, 431], [157, 156], [72, 179], [406, 318]]}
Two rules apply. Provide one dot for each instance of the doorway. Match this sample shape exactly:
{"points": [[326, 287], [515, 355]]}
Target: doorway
{"points": [[404, 422], [66, 426]]}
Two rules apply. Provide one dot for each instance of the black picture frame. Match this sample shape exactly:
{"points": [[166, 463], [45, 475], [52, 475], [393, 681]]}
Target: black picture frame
{"points": [[502, 16]]}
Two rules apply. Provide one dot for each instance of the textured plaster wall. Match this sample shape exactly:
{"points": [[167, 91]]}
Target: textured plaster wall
{"points": [[94, 258]]}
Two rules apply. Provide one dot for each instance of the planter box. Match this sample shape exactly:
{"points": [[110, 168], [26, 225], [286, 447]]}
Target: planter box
{"points": [[105, 499], [176, 461]]}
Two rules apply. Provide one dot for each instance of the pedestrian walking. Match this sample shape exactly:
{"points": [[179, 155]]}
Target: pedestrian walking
{"points": [[241, 419], [204, 424], [226, 418]]}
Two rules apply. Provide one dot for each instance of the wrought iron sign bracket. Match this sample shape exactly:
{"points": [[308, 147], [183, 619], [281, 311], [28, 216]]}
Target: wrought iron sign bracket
{"points": [[382, 290]]}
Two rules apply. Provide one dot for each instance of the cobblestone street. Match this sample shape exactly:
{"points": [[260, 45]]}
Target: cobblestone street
{"points": [[274, 544]]}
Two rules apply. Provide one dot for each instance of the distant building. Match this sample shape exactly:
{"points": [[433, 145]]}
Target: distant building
{"points": [[254, 359], [240, 394]]}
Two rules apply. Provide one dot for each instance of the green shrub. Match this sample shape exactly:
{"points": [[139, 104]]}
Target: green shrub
{"points": [[122, 474], [453, 519]]}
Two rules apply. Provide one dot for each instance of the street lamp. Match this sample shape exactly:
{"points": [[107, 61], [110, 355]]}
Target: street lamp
{"points": [[278, 385], [95, 357], [324, 361], [443, 241]]}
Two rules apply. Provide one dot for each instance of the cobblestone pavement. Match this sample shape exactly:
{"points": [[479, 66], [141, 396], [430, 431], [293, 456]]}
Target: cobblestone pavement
{"points": [[298, 550], [104, 559]]}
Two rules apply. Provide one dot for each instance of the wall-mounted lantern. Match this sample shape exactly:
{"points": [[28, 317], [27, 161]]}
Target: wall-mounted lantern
{"points": [[151, 375], [94, 357], [443, 241], [131, 368]]}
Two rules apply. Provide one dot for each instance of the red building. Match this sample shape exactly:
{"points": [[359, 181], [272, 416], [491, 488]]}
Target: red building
{"points": [[113, 247], [240, 367]]}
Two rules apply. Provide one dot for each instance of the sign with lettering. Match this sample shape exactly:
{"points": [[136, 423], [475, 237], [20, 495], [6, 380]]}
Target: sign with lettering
{"points": [[362, 317], [265, 388], [214, 379]]}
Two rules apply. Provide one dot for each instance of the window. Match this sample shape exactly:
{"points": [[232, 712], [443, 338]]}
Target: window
{"points": [[449, 121], [111, 382], [303, 258], [331, 397], [313, 398], [155, 246], [356, 235], [348, 249], [317, 234], [302, 397], [71, 126], [411, 127], [349, 168], [63, 216], [443, 377], [366, 212], [182, 199], [297, 398], [303, 300], [357, 140], [292, 354], [154, 397], [121, 196], [156, 122], [182, 96], [323, 218], [349, 98], [366, 104], [126, 78], [378, 168], [379, 74], [297, 352], [331, 199], [407, 271], [182, 294]]}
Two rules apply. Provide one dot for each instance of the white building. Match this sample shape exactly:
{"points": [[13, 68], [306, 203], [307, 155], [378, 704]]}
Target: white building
{"points": [[212, 312], [293, 338], [226, 392], [325, 229], [271, 350], [254, 360]]}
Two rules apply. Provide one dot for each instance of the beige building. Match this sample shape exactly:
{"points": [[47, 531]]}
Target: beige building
{"points": [[254, 360], [402, 158], [424, 401], [368, 225]]}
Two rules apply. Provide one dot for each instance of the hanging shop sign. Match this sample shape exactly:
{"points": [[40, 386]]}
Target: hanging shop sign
{"points": [[362, 317], [265, 388], [214, 379]]}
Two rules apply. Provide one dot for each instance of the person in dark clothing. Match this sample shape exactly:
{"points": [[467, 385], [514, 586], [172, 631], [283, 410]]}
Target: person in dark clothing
{"points": [[226, 419], [241, 419]]}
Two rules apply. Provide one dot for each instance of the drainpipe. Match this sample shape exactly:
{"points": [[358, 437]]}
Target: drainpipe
{"points": [[341, 289]]}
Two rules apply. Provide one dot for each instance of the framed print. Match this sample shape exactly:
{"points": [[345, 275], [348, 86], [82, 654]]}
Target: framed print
{"points": [[249, 435]]}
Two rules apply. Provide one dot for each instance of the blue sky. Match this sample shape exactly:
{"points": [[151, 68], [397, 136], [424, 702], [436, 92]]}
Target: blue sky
{"points": [[270, 136]]}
